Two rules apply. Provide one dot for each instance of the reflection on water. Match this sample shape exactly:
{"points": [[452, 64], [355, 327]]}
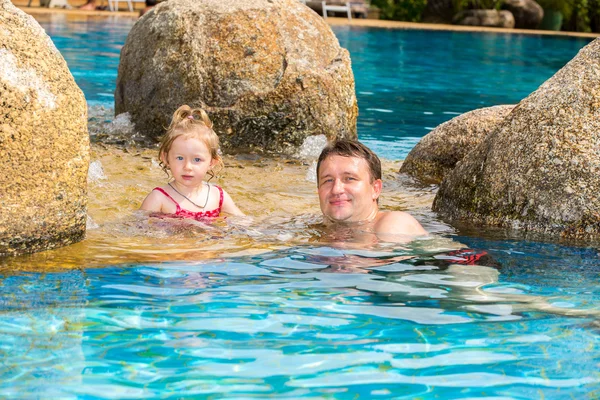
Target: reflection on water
{"points": [[396, 323], [404, 92]]}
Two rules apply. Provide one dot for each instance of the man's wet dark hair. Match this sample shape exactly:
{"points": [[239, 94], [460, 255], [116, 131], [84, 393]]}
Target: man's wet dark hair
{"points": [[351, 148]]}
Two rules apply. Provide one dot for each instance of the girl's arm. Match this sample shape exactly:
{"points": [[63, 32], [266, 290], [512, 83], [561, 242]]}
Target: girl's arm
{"points": [[229, 206], [152, 202]]}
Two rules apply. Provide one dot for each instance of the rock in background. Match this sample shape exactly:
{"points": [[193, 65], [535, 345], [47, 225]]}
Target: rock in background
{"points": [[269, 72], [437, 153], [491, 18], [44, 142], [527, 13], [540, 169]]}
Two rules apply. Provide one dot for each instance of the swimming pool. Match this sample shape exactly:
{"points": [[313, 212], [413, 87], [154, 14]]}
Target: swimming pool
{"points": [[141, 311]]}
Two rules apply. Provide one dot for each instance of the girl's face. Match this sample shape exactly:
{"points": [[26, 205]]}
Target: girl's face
{"points": [[188, 159]]}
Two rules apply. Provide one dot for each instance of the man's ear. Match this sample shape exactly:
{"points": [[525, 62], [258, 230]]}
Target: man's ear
{"points": [[377, 186]]}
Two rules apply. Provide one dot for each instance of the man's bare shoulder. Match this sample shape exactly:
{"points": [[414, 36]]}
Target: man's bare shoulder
{"points": [[398, 223]]}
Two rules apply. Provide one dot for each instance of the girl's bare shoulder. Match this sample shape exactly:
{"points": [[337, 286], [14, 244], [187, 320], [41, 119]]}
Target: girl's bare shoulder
{"points": [[154, 200]]}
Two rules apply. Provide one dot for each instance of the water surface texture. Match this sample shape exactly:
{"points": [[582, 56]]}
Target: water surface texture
{"points": [[407, 81], [309, 322], [410, 81]]}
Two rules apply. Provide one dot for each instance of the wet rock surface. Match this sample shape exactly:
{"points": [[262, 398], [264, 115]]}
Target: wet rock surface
{"points": [[44, 142], [437, 153], [540, 169], [269, 72]]}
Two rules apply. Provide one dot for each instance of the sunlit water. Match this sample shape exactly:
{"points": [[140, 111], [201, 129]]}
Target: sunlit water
{"points": [[309, 321], [277, 306]]}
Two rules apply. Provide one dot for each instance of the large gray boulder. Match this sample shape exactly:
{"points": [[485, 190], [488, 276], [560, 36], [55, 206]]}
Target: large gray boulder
{"points": [[269, 72], [540, 169], [527, 13], [438, 152], [44, 142], [490, 18]]}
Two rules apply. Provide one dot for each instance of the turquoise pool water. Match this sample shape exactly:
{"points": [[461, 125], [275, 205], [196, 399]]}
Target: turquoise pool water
{"points": [[307, 322], [313, 321]]}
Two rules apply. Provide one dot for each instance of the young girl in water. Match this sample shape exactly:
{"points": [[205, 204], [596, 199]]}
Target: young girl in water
{"points": [[188, 152]]}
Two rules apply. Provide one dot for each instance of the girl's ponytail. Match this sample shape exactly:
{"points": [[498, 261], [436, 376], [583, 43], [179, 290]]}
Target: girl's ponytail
{"points": [[202, 116]]}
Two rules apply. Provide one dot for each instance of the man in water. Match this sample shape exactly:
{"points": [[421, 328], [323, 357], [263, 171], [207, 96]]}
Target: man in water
{"points": [[349, 185]]}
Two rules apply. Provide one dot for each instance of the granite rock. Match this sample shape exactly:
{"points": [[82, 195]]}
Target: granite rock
{"points": [[268, 72], [44, 142], [539, 170], [437, 153]]}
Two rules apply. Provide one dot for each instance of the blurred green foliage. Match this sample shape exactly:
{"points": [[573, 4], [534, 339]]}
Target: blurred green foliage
{"points": [[401, 10], [460, 5], [565, 7], [578, 15], [580, 19], [594, 14]]}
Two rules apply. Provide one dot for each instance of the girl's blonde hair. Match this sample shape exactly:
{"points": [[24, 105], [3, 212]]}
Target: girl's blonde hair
{"points": [[191, 123]]}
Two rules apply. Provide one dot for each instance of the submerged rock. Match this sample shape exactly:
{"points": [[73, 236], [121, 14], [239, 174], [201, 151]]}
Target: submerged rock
{"points": [[44, 143], [540, 169], [269, 72], [438, 152]]}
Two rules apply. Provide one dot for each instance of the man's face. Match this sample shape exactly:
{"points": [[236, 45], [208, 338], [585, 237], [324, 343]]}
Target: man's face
{"points": [[346, 193]]}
